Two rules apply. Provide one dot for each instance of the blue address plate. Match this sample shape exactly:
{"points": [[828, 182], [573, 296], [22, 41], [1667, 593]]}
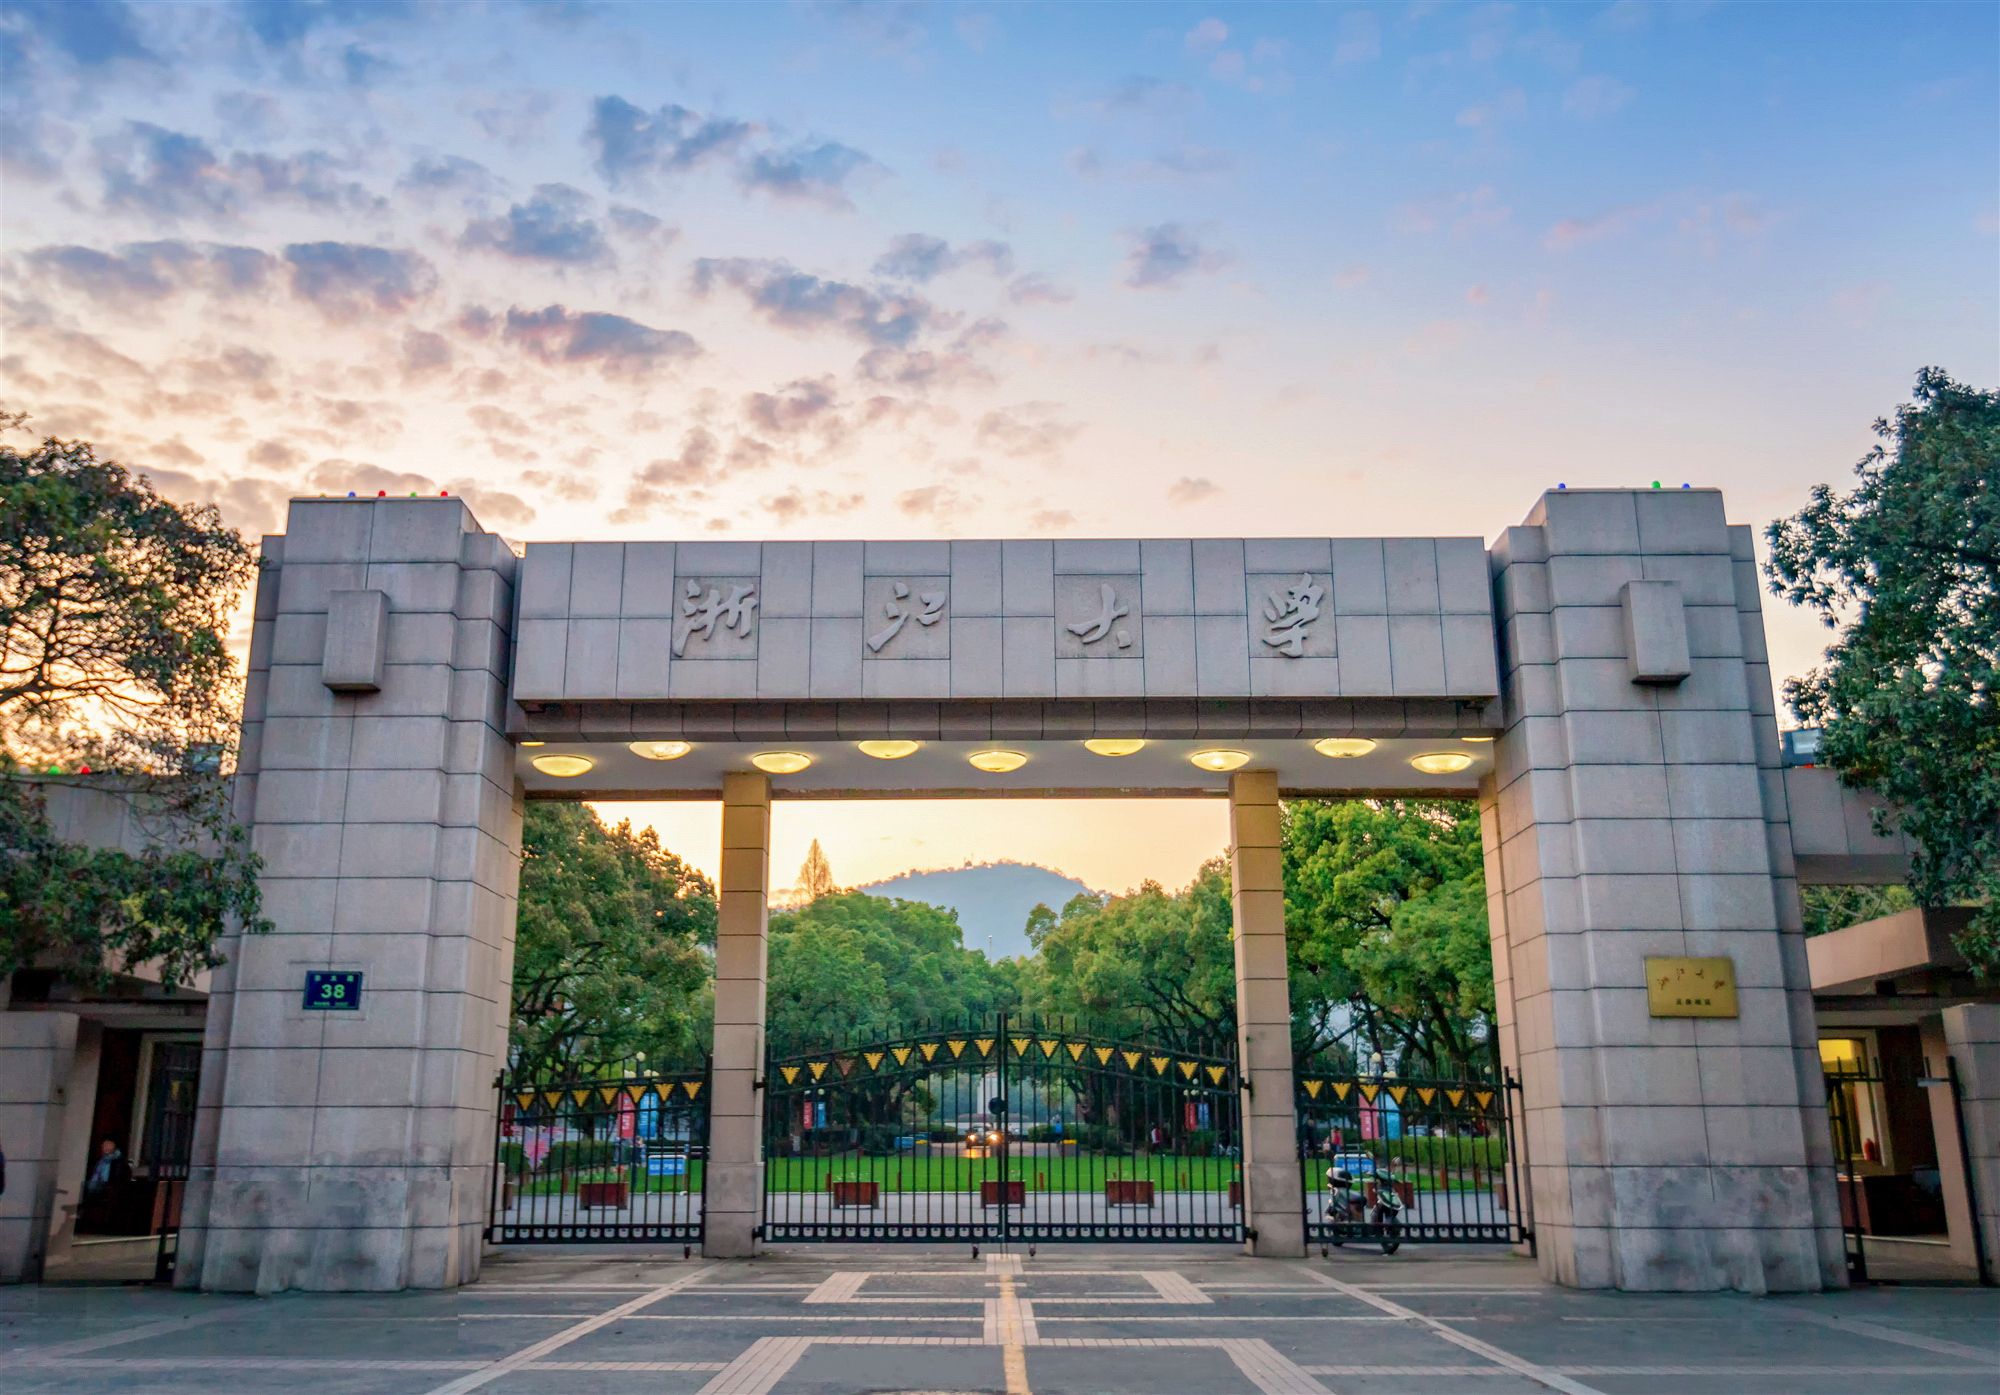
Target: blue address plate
{"points": [[333, 990]]}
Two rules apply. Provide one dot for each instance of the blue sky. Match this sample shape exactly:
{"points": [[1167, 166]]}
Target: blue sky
{"points": [[929, 269]]}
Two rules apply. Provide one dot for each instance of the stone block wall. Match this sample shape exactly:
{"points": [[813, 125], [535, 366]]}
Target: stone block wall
{"points": [[1629, 819], [352, 1150]]}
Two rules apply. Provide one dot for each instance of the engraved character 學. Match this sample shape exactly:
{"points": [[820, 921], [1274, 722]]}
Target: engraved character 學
{"points": [[1287, 616]]}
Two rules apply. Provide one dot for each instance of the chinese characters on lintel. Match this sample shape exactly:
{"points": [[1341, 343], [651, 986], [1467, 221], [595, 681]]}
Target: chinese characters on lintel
{"points": [[703, 613], [1287, 616], [1091, 631], [927, 612]]}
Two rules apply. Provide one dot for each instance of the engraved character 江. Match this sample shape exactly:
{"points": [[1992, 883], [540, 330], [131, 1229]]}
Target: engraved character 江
{"points": [[928, 610]]}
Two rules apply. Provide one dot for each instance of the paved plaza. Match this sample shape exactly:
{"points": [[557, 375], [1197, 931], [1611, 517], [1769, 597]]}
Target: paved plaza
{"points": [[1122, 1321]]}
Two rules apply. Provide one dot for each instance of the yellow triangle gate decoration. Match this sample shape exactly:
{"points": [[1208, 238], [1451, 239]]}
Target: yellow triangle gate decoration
{"points": [[1341, 1088], [607, 1093], [693, 1087], [1313, 1087], [1103, 1054], [1131, 1059], [666, 1090], [1075, 1049], [873, 1058], [985, 1044], [635, 1093], [1427, 1095], [790, 1073], [1188, 1068], [902, 1055], [1215, 1073], [958, 1046], [1020, 1045], [579, 1096], [1485, 1097], [1368, 1092], [1048, 1047], [818, 1068], [552, 1098], [929, 1049], [1457, 1097], [1398, 1091], [1160, 1064], [524, 1101]]}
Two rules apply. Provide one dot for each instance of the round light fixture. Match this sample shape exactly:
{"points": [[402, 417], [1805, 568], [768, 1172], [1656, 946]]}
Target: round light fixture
{"points": [[1441, 762], [887, 750], [562, 765], [1220, 760], [1478, 738], [781, 762], [659, 750], [534, 743], [1113, 745], [1342, 747], [997, 762]]}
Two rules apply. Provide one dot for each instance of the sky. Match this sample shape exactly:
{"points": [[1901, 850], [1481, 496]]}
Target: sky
{"points": [[939, 270]]}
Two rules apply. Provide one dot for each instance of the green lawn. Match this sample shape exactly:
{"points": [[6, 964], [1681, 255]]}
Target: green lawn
{"points": [[918, 1173]]}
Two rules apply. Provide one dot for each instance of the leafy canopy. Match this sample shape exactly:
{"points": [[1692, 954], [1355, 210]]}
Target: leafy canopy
{"points": [[1906, 567], [848, 968], [607, 952], [114, 617]]}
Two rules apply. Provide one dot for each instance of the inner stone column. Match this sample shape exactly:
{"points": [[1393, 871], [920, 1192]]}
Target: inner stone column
{"points": [[733, 1197], [1273, 1193]]}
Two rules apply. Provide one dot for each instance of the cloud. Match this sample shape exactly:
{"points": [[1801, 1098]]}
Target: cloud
{"points": [[1187, 490], [449, 173], [1359, 38], [1434, 340], [514, 118], [339, 476], [640, 225], [425, 352], [1625, 16], [811, 171], [347, 280], [917, 257], [631, 142], [1030, 429], [934, 501], [1037, 289], [1352, 277], [170, 174], [283, 23], [798, 406], [1596, 96], [151, 271], [1052, 518], [1505, 107], [90, 33], [549, 227], [798, 300], [684, 478], [1148, 97], [1206, 37], [1165, 255], [795, 504], [1573, 232], [618, 346], [1462, 213]]}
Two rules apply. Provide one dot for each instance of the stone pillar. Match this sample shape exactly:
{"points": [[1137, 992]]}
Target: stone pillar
{"points": [[353, 1150], [78, 1148], [1664, 1153], [1951, 1150], [733, 1194], [37, 1052], [1273, 1192], [1972, 1033]]}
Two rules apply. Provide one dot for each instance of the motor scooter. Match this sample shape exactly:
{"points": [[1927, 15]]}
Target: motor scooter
{"points": [[1344, 1203], [1387, 1213]]}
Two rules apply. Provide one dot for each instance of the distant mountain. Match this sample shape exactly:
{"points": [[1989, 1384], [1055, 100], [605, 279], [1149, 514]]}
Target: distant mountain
{"points": [[991, 898]]}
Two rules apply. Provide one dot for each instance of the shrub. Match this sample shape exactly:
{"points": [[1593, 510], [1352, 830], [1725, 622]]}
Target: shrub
{"points": [[513, 1160], [878, 1141], [576, 1154]]}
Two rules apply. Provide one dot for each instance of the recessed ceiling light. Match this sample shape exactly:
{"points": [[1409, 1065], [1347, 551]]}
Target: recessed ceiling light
{"points": [[562, 765], [1441, 762], [1113, 745], [1478, 738], [886, 750], [534, 743], [1220, 760], [660, 750], [781, 762], [1340, 747], [997, 762]]}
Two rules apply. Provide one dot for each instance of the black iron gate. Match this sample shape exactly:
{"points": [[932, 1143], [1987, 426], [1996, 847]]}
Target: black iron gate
{"points": [[620, 1160], [1013, 1129], [1447, 1147]]}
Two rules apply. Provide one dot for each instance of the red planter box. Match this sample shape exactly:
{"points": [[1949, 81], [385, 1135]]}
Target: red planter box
{"points": [[1128, 1193], [868, 1194], [612, 1195], [989, 1193], [1406, 1190]]}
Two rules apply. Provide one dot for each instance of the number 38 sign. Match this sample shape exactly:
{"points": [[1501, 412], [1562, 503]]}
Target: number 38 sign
{"points": [[333, 991]]}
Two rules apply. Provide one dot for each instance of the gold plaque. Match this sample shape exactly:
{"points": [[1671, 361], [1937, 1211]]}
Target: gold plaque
{"points": [[1690, 987]]}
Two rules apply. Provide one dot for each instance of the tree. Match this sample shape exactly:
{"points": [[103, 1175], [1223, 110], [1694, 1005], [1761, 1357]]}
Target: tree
{"points": [[850, 968], [1147, 966], [815, 874], [607, 953], [1830, 908], [1906, 568], [1385, 920], [114, 617]]}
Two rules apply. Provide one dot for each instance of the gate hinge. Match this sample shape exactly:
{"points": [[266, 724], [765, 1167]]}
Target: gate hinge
{"points": [[756, 1084], [1243, 1084], [1250, 1233]]}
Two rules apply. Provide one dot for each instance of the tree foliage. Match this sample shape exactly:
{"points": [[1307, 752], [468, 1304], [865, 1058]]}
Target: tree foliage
{"points": [[608, 959], [849, 967], [1385, 918], [815, 874], [1906, 567], [1148, 966], [1829, 908], [114, 618]]}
